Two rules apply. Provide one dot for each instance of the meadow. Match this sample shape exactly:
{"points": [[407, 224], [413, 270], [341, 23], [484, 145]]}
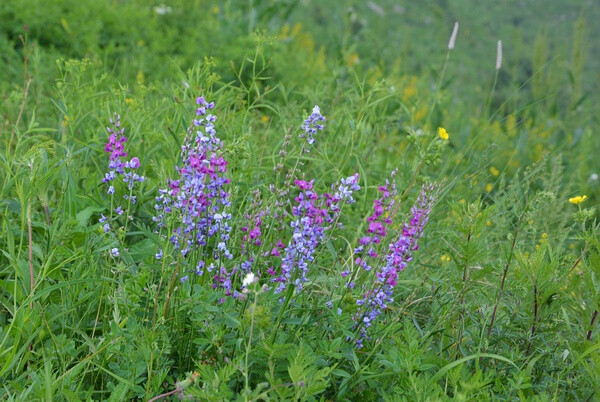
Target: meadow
{"points": [[299, 200]]}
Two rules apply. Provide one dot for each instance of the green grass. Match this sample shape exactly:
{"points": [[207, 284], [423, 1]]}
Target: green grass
{"points": [[500, 299]]}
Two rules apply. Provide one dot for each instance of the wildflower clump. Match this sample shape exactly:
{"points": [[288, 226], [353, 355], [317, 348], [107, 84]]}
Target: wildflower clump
{"points": [[314, 215], [194, 204], [443, 133], [377, 298], [119, 167]]}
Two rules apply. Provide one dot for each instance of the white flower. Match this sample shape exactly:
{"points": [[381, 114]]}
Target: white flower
{"points": [[162, 10], [249, 279], [593, 177]]}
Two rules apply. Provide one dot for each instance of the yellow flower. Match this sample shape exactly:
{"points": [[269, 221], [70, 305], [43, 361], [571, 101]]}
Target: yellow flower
{"points": [[489, 187], [420, 113], [445, 258], [577, 200], [443, 133], [494, 171], [65, 121], [264, 119], [352, 59], [284, 31]]}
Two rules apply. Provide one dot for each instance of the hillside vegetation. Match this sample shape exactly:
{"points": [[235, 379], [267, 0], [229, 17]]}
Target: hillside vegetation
{"points": [[282, 200]]}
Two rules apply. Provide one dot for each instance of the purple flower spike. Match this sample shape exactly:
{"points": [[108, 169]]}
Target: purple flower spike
{"points": [[378, 223], [197, 200], [312, 125], [116, 165], [314, 215], [399, 255]]}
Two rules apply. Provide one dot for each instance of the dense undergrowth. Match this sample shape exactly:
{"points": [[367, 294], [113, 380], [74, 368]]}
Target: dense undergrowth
{"points": [[180, 219]]}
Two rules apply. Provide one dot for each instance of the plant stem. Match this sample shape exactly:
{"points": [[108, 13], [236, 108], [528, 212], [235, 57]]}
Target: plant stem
{"points": [[489, 102], [589, 334], [161, 396], [535, 316], [31, 278], [462, 295], [288, 297], [26, 82], [407, 189], [578, 259], [437, 87], [249, 344], [47, 213], [506, 267], [179, 387], [162, 273], [171, 286]]}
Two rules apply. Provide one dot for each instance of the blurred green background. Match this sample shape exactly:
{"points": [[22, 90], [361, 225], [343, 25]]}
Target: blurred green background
{"points": [[549, 78], [129, 37]]}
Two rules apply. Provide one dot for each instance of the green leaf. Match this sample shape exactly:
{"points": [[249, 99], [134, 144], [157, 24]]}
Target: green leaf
{"points": [[84, 216], [458, 362], [340, 373]]}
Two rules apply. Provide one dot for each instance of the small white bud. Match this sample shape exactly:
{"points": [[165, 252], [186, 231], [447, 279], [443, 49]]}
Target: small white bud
{"points": [[499, 56], [453, 36]]}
